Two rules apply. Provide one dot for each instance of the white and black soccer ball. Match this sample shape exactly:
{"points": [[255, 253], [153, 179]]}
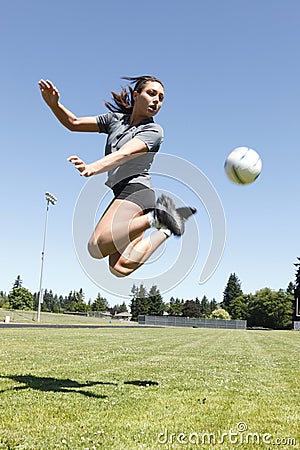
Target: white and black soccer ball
{"points": [[243, 165]]}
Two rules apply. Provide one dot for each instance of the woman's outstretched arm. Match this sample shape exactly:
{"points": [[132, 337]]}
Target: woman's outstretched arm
{"points": [[51, 95], [132, 149]]}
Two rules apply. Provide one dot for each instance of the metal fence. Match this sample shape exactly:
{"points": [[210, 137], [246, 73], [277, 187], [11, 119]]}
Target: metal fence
{"points": [[297, 325], [174, 321]]}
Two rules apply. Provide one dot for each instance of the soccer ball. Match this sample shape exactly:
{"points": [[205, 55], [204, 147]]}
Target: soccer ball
{"points": [[243, 165]]}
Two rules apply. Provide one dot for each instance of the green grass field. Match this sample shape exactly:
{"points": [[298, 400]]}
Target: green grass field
{"points": [[167, 388]]}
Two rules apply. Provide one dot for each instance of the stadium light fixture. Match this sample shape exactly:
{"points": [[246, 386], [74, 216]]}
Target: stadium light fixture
{"points": [[50, 198]]}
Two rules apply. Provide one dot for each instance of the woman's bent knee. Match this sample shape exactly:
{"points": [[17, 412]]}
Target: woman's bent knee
{"points": [[94, 250], [120, 266], [120, 273], [101, 246]]}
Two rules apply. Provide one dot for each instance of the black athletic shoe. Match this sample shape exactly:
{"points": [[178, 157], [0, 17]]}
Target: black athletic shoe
{"points": [[166, 215], [186, 211]]}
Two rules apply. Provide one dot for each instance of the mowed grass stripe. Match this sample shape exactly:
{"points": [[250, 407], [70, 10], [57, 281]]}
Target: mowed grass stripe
{"points": [[121, 388]]}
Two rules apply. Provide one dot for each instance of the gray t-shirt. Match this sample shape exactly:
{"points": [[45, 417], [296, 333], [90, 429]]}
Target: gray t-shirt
{"points": [[119, 131]]}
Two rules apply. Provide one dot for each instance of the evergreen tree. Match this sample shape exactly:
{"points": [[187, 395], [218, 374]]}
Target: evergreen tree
{"points": [[69, 302], [204, 307], [140, 301], [123, 308], [20, 298], [100, 304], [143, 306], [134, 308], [80, 305], [56, 306], [175, 307], [212, 305], [35, 301], [142, 292], [116, 309], [155, 301], [51, 302], [48, 301], [60, 303], [18, 282], [232, 290], [134, 291]]}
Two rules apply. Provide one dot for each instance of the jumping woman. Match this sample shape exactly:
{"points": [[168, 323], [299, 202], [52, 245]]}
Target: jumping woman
{"points": [[133, 138]]}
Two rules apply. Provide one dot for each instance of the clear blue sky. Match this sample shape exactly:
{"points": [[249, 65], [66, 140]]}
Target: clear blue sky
{"points": [[232, 76]]}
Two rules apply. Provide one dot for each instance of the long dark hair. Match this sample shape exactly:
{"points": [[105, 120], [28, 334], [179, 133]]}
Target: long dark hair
{"points": [[123, 102]]}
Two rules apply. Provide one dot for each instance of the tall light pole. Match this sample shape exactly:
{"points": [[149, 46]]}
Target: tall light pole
{"points": [[50, 199]]}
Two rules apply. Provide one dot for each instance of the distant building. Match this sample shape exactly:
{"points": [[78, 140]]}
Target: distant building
{"points": [[123, 316], [100, 314]]}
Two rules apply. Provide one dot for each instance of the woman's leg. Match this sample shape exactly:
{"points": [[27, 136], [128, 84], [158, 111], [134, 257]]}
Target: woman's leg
{"points": [[136, 253], [122, 222], [119, 234]]}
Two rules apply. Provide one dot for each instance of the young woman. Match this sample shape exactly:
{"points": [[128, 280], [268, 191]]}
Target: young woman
{"points": [[133, 139]]}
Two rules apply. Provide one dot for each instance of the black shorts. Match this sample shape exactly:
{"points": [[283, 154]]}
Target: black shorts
{"points": [[137, 193]]}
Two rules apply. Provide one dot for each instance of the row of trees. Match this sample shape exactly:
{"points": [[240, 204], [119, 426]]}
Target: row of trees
{"points": [[265, 308], [21, 298], [150, 302], [143, 302]]}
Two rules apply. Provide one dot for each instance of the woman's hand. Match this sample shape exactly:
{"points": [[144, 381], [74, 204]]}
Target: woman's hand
{"points": [[86, 170], [49, 93]]}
